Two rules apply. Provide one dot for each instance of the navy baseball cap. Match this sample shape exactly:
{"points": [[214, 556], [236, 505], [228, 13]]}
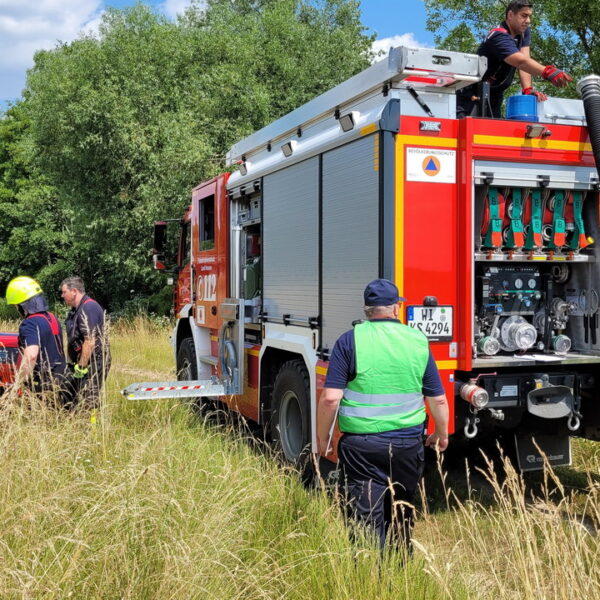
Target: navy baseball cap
{"points": [[381, 292]]}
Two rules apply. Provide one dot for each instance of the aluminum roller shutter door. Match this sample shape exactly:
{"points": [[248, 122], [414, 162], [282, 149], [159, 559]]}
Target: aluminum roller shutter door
{"points": [[290, 241], [350, 232]]}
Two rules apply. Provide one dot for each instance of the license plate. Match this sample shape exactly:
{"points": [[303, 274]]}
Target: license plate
{"points": [[436, 322]]}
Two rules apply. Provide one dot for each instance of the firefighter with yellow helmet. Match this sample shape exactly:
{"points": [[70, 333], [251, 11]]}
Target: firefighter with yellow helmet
{"points": [[42, 366]]}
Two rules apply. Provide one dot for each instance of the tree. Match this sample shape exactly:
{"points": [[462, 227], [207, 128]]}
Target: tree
{"points": [[34, 227], [564, 32], [124, 123]]}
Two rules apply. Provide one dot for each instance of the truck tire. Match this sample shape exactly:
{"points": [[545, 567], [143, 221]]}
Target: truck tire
{"points": [[186, 361], [290, 422], [187, 371]]}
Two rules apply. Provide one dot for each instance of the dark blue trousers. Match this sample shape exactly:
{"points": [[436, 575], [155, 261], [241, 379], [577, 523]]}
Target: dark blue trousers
{"points": [[465, 107], [379, 479]]}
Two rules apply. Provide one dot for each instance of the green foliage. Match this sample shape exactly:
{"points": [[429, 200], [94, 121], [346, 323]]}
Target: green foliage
{"points": [[34, 226], [123, 124], [7, 312], [564, 32], [161, 303]]}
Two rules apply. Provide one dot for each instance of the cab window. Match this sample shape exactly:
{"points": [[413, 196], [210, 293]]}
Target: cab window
{"points": [[207, 223], [183, 253]]}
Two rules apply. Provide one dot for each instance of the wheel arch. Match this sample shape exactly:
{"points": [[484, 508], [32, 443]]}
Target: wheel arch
{"points": [[186, 328], [277, 350]]}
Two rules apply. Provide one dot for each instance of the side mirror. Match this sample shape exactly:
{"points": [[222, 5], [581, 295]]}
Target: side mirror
{"points": [[160, 240]]}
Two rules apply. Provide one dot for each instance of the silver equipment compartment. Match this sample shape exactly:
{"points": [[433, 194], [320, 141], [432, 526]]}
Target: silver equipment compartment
{"points": [[291, 242], [350, 233]]}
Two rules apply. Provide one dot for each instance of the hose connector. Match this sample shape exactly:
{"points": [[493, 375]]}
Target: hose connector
{"points": [[473, 394]]}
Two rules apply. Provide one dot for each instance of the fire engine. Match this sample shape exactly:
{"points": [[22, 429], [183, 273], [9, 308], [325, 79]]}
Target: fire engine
{"points": [[486, 226]]}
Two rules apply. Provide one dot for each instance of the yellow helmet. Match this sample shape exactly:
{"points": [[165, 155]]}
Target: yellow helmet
{"points": [[21, 289]]}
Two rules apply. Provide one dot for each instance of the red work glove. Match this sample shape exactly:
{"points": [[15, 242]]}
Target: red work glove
{"points": [[541, 97], [556, 77]]}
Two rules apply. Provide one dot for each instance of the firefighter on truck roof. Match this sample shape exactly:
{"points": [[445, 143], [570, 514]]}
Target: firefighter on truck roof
{"points": [[507, 48], [42, 366], [380, 375]]}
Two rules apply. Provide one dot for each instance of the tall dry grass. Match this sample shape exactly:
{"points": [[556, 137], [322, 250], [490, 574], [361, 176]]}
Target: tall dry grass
{"points": [[146, 502], [527, 539]]}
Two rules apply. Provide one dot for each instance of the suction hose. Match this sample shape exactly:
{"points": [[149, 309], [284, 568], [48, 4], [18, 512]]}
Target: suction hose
{"points": [[589, 88]]}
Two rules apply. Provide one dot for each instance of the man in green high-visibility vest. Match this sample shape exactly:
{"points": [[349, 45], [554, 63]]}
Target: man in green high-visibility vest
{"points": [[379, 378]]}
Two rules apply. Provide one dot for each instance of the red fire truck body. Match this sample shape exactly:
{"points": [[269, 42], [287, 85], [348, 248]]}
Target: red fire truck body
{"points": [[9, 343], [485, 225]]}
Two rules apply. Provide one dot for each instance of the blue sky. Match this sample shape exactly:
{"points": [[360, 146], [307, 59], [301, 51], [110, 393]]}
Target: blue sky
{"points": [[396, 17], [30, 25]]}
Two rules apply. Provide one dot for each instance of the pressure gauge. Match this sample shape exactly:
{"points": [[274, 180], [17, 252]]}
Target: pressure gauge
{"points": [[531, 283], [518, 283]]}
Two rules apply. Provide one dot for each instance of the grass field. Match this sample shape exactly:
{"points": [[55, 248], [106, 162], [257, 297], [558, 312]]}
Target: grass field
{"points": [[148, 502]]}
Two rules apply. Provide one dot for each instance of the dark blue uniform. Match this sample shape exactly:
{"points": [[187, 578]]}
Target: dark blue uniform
{"points": [[43, 329], [370, 462], [498, 45], [84, 322]]}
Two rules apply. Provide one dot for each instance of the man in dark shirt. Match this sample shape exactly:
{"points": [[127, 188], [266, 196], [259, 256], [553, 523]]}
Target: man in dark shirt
{"points": [[379, 377], [42, 366], [87, 341], [507, 48]]}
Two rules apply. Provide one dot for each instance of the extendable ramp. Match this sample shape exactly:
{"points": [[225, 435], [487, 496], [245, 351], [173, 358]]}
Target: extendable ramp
{"points": [[231, 359], [159, 390]]}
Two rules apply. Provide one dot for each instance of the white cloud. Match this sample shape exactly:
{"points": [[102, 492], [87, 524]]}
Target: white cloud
{"points": [[92, 26], [383, 45], [30, 25], [172, 8]]}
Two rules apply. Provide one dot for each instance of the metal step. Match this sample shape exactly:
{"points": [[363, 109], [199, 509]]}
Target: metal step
{"points": [[157, 390]]}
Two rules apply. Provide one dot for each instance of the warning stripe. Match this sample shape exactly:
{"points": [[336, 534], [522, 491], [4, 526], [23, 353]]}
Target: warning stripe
{"points": [[173, 387]]}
